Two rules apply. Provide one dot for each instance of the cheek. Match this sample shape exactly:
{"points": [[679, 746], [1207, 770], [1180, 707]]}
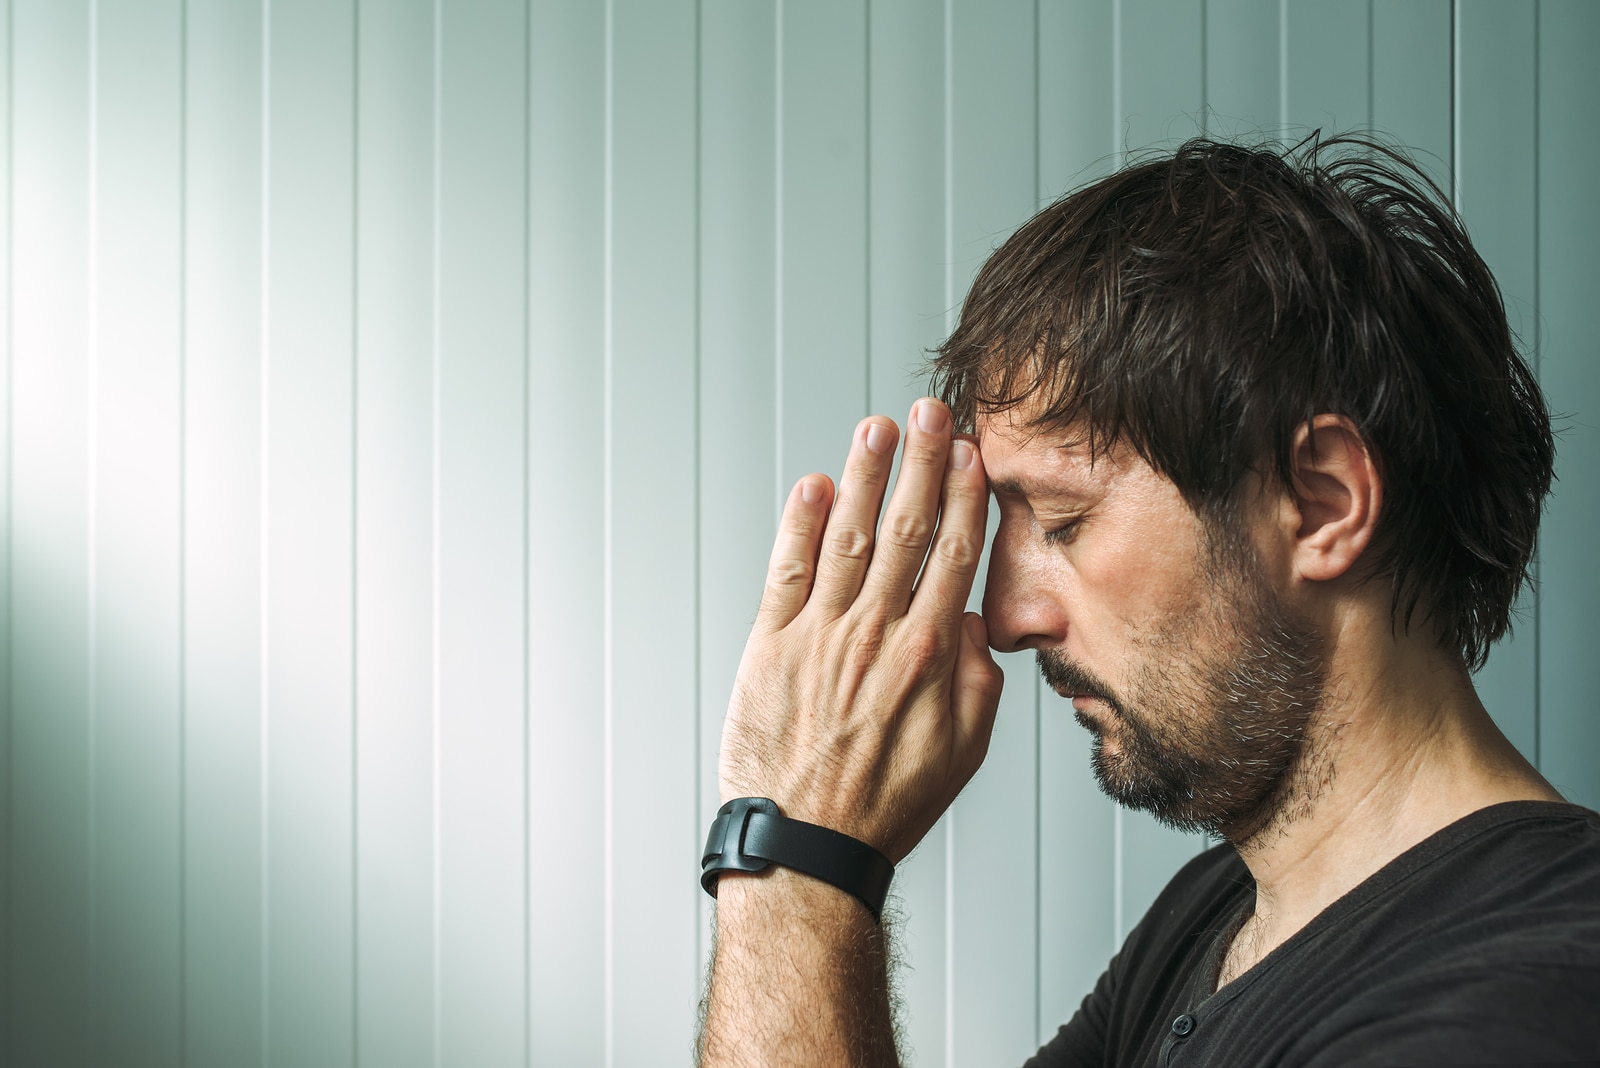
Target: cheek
{"points": [[1141, 589]]}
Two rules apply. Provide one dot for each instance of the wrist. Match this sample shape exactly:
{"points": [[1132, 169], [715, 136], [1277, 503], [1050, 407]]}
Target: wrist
{"points": [[786, 893], [750, 835]]}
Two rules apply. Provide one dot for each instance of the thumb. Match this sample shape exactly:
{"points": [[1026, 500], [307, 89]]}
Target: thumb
{"points": [[976, 691]]}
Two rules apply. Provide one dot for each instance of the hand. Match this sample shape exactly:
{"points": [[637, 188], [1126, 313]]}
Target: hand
{"points": [[866, 698]]}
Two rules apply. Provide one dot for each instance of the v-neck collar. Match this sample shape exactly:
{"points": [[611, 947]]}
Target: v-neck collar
{"points": [[1203, 993]]}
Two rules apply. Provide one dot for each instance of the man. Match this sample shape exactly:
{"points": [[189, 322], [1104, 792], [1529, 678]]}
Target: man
{"points": [[1269, 473]]}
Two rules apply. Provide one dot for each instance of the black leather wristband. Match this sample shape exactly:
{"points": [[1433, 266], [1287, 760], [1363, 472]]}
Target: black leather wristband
{"points": [[749, 834]]}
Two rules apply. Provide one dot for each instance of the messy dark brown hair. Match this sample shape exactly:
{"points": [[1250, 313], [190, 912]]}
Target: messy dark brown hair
{"points": [[1202, 307]]}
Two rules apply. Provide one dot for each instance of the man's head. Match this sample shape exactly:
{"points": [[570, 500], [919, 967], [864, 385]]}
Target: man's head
{"points": [[1228, 327]]}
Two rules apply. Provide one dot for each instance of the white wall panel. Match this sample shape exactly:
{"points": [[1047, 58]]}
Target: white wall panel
{"points": [[1496, 173], [1160, 89], [908, 311], [51, 517], [136, 327], [1078, 140], [394, 504], [566, 532], [994, 824], [480, 397], [654, 833], [224, 878], [822, 256], [906, 260], [5, 527], [737, 477], [1569, 367], [308, 575]]}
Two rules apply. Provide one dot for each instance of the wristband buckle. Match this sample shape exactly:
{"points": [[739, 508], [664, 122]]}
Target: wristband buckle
{"points": [[725, 844], [750, 835]]}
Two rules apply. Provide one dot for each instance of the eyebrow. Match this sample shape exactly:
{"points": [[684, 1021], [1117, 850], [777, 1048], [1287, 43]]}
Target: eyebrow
{"points": [[1015, 487]]}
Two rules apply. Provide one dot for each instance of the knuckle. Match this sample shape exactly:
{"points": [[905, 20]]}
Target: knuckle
{"points": [[957, 550], [928, 453], [907, 530], [786, 574], [851, 543]]}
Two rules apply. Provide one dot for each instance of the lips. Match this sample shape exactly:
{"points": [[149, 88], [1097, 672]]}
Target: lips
{"points": [[1084, 703]]}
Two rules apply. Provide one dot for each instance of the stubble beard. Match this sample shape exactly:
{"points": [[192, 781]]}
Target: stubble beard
{"points": [[1214, 730]]}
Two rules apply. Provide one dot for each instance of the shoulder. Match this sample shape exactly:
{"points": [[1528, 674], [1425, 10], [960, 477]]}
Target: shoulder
{"points": [[1487, 945], [1122, 1018]]}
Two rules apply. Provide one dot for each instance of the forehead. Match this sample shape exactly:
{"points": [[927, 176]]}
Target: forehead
{"points": [[1024, 461]]}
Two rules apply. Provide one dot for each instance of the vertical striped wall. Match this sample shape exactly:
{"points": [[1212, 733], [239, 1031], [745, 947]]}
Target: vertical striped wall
{"points": [[398, 398]]}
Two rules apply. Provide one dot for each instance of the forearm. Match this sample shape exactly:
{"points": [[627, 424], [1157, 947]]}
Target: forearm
{"points": [[799, 976]]}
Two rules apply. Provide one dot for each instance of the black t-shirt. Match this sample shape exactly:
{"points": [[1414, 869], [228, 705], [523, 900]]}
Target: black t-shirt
{"points": [[1479, 945]]}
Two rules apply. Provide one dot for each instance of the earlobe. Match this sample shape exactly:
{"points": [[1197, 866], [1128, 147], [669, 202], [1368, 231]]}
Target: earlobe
{"points": [[1339, 495]]}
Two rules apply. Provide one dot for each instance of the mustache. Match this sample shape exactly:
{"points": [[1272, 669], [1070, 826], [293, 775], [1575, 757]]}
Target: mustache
{"points": [[1067, 676]]}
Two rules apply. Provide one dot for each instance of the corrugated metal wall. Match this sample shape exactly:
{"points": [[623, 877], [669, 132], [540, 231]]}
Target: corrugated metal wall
{"points": [[398, 401]]}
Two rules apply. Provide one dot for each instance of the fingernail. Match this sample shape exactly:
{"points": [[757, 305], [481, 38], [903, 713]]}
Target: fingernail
{"points": [[811, 491], [930, 416], [879, 438], [961, 454]]}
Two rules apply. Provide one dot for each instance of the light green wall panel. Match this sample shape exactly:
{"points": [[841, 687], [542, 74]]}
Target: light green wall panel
{"points": [[1569, 369], [1160, 72], [738, 494], [395, 430], [135, 556], [651, 521], [566, 450], [481, 514], [1412, 90], [1160, 83], [994, 824], [905, 244], [1078, 140], [1078, 130], [1496, 171], [6, 823], [821, 85], [52, 378], [307, 398], [224, 877], [1326, 66], [1244, 68]]}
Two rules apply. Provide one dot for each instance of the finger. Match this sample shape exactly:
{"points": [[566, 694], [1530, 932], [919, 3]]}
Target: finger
{"points": [[847, 547], [952, 559], [792, 566], [975, 694], [912, 515]]}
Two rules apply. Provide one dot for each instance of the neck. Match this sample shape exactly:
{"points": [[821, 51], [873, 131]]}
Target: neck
{"points": [[1400, 749]]}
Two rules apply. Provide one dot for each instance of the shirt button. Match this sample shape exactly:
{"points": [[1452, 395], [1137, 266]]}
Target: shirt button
{"points": [[1183, 1025]]}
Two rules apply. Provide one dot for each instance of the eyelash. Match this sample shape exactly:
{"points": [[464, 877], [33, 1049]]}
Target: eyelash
{"points": [[1064, 533]]}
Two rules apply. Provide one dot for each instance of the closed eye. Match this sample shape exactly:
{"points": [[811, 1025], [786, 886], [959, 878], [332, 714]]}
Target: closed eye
{"points": [[1061, 535]]}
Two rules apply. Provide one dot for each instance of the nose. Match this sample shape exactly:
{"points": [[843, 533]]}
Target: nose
{"points": [[1020, 604]]}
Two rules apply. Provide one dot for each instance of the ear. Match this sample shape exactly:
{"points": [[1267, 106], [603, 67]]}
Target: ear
{"points": [[1338, 495]]}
